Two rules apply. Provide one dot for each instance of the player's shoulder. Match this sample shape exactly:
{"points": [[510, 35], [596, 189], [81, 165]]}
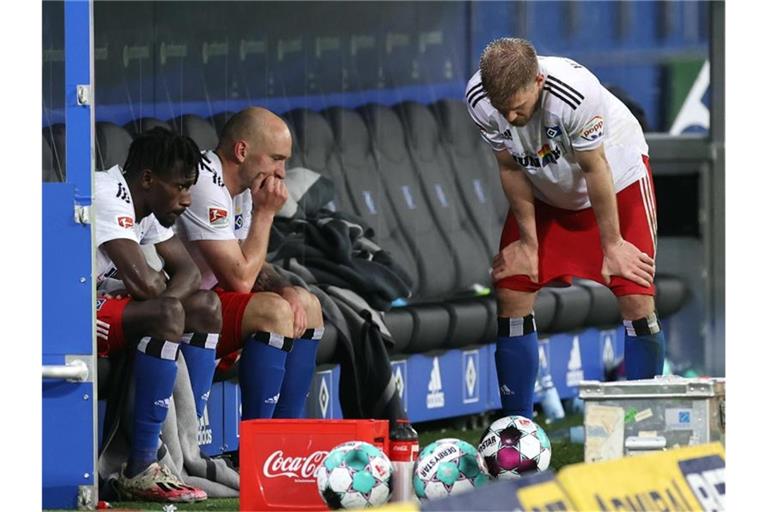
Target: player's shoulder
{"points": [[110, 186], [211, 176], [568, 84]]}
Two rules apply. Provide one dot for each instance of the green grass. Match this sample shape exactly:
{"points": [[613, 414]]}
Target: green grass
{"points": [[469, 429]]}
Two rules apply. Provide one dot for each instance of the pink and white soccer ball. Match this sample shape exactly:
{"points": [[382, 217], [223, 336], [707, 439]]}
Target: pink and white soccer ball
{"points": [[515, 445]]}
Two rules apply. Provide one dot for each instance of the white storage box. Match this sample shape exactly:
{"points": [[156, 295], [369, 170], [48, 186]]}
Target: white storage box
{"points": [[631, 417]]}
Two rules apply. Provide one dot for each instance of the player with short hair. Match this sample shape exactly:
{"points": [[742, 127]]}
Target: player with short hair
{"points": [[155, 314], [574, 166], [227, 229]]}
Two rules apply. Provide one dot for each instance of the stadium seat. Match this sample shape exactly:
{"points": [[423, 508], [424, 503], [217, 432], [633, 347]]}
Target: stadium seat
{"points": [[671, 294], [144, 124], [317, 150], [327, 347], [474, 169], [399, 321], [434, 260], [433, 170], [56, 136], [197, 129], [544, 309], [296, 159], [219, 120], [49, 171], [112, 144], [604, 308], [367, 192], [572, 308]]}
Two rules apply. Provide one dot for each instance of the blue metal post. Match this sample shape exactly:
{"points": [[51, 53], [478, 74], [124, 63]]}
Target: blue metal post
{"points": [[69, 407]]}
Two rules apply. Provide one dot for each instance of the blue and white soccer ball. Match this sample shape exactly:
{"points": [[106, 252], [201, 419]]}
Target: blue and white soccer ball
{"points": [[355, 474], [514, 445], [448, 466]]}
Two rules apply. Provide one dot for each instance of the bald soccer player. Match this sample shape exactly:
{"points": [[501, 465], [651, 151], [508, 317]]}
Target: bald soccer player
{"points": [[274, 326]]}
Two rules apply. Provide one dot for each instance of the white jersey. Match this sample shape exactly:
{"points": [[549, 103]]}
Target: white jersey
{"points": [[213, 215], [576, 114], [116, 218]]}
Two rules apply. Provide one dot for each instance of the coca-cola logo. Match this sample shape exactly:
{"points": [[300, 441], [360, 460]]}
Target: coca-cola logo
{"points": [[278, 464]]}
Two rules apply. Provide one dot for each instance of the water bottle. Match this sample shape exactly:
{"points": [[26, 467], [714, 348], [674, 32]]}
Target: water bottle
{"points": [[403, 452], [550, 401]]}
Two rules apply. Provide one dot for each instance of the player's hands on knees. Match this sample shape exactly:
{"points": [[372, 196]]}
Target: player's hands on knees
{"points": [[517, 258], [268, 193], [297, 306], [625, 260]]}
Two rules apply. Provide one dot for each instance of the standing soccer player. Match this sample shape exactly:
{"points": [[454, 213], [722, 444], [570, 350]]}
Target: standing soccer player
{"points": [[157, 315], [574, 166], [275, 326]]}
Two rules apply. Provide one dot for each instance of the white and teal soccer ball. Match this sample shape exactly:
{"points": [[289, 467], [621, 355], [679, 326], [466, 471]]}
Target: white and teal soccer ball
{"points": [[514, 445], [355, 474], [448, 466]]}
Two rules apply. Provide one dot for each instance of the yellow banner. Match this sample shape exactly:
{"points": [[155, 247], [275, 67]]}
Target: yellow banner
{"points": [[689, 478], [544, 496]]}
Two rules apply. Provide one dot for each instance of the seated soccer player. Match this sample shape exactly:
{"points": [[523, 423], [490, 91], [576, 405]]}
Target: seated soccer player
{"points": [[275, 326], [155, 316]]}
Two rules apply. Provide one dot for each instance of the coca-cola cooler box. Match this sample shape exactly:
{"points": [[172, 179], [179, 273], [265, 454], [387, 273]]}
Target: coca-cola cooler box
{"points": [[278, 458]]}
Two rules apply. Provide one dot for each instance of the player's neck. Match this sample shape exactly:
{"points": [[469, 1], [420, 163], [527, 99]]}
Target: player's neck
{"points": [[140, 208], [230, 175]]}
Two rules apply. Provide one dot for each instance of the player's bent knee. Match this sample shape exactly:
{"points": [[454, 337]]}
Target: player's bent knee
{"points": [[203, 312], [635, 307], [312, 307], [167, 320], [267, 311], [513, 303]]}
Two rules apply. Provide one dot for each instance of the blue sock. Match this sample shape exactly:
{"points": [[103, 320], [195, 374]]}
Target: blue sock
{"points": [[644, 348], [517, 364], [199, 351], [299, 370], [262, 367], [154, 374]]}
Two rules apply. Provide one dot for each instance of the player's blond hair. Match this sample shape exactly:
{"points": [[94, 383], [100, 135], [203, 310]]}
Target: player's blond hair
{"points": [[507, 66]]}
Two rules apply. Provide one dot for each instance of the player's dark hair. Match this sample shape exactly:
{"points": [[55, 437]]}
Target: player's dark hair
{"points": [[162, 151], [507, 66]]}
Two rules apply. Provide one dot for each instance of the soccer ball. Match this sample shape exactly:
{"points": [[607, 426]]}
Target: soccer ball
{"points": [[514, 445], [448, 466], [354, 475]]}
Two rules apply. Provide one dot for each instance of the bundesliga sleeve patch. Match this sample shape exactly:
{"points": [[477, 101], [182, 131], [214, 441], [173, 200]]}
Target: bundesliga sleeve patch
{"points": [[218, 216], [594, 129], [125, 221]]}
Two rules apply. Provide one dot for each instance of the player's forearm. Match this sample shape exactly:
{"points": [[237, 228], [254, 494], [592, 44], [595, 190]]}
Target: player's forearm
{"points": [[519, 193], [254, 249], [603, 198], [183, 283], [269, 280]]}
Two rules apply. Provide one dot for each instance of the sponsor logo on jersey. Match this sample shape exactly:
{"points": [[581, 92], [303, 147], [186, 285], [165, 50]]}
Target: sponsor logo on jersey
{"points": [[124, 221], [553, 132], [122, 193], [99, 303], [218, 216], [594, 129], [507, 134], [544, 156], [435, 396]]}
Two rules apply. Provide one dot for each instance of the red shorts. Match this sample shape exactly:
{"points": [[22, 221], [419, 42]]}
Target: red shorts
{"points": [[110, 337], [569, 241], [233, 306]]}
